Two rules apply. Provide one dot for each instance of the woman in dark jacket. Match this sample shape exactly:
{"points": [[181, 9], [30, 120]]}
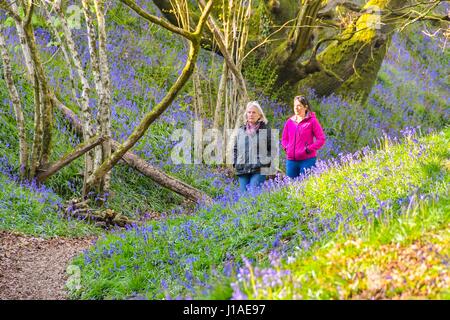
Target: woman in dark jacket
{"points": [[252, 148]]}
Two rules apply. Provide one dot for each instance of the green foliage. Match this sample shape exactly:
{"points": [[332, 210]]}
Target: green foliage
{"points": [[9, 22], [261, 75]]}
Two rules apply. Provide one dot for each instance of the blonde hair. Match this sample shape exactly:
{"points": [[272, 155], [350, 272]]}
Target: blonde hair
{"points": [[260, 111]]}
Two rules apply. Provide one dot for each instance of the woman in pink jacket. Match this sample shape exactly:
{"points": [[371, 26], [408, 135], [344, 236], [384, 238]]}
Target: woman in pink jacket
{"points": [[302, 137]]}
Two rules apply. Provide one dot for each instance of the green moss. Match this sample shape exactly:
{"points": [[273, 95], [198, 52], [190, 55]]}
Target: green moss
{"points": [[262, 75], [352, 63], [361, 82]]}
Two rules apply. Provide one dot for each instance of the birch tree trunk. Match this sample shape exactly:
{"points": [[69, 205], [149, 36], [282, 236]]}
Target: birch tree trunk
{"points": [[12, 90], [36, 150], [102, 93], [23, 43], [87, 118], [105, 94], [46, 107], [37, 144]]}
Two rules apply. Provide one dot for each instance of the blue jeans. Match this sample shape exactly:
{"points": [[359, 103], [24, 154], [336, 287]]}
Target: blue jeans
{"points": [[252, 179], [295, 168]]}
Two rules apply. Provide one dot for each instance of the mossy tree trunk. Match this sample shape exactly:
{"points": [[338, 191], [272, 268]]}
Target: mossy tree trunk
{"points": [[43, 108], [349, 67], [15, 99], [46, 107], [105, 94], [290, 34]]}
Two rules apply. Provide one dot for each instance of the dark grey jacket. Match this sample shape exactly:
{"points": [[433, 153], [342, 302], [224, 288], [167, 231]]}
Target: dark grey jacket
{"points": [[251, 153]]}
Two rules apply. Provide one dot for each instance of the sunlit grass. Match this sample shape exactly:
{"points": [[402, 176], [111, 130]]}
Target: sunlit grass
{"points": [[197, 255], [404, 258]]}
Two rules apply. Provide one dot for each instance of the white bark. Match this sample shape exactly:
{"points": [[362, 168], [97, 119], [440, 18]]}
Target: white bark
{"points": [[25, 49], [95, 67], [32, 62], [14, 95], [220, 96], [64, 48], [87, 119], [105, 94]]}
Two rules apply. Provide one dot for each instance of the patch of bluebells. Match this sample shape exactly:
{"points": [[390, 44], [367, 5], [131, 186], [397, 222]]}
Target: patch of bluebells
{"points": [[260, 281], [213, 224], [348, 126], [30, 195], [255, 282], [232, 194], [42, 192], [320, 227]]}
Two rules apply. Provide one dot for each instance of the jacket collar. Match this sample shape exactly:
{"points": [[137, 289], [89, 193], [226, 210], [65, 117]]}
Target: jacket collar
{"points": [[309, 115]]}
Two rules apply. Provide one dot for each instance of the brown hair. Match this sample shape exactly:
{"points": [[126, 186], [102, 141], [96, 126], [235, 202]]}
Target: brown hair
{"points": [[304, 101]]}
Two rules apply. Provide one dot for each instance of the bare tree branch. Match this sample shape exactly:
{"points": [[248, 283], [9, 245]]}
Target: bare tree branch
{"points": [[79, 150], [219, 37], [158, 21]]}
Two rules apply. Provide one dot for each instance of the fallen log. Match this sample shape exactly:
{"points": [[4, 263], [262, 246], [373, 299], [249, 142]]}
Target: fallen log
{"points": [[140, 164]]}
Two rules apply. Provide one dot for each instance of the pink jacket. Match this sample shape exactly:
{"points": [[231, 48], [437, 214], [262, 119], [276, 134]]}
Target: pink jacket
{"points": [[296, 137]]}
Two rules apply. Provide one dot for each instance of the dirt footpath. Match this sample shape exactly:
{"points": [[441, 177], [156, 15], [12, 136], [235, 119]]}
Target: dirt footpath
{"points": [[35, 268]]}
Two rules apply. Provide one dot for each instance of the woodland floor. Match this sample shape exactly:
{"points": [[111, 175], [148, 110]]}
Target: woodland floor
{"points": [[35, 268]]}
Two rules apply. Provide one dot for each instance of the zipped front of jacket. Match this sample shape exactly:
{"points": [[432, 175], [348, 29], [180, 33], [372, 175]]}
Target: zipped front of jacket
{"points": [[295, 137], [246, 167]]}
